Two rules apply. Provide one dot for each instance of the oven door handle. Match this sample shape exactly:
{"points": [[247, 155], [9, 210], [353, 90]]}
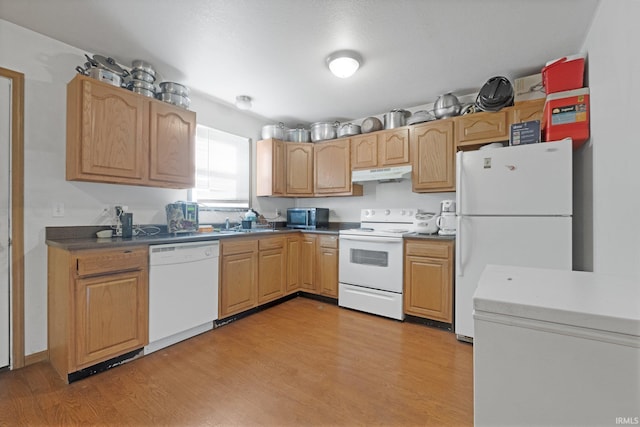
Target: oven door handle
{"points": [[378, 239]]}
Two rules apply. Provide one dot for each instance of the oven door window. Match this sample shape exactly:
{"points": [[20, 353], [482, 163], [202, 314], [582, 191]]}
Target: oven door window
{"points": [[372, 264], [367, 257]]}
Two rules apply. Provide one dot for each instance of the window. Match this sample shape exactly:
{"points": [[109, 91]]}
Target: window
{"points": [[223, 165]]}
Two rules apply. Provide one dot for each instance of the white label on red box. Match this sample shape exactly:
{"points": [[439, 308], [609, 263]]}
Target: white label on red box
{"points": [[569, 114]]}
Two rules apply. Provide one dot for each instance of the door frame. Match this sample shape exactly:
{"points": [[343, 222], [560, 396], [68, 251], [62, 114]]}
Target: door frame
{"points": [[17, 216]]}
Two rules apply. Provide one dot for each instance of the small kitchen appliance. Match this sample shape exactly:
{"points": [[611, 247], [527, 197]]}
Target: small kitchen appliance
{"points": [[182, 217], [426, 223], [308, 218], [446, 222]]}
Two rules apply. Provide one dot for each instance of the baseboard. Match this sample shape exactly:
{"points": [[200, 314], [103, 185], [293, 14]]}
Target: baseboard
{"points": [[38, 357]]}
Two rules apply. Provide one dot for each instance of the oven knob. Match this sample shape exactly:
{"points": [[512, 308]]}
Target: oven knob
{"points": [[367, 212], [410, 213], [403, 212], [387, 212]]}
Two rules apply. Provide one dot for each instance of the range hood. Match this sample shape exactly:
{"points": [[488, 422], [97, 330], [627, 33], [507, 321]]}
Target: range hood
{"points": [[391, 174]]}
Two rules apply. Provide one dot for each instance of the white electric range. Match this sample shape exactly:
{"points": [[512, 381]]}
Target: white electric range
{"points": [[371, 262]]}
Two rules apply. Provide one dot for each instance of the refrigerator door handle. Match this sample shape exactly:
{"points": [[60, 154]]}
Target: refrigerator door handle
{"points": [[458, 182], [459, 234]]}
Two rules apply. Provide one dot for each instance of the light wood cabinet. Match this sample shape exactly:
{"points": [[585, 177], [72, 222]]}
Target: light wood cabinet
{"points": [[299, 169], [364, 151], [172, 156], [270, 168], [428, 279], [272, 269], [98, 306], [238, 276], [293, 263], [481, 128], [327, 265], [527, 111], [332, 169], [433, 155], [380, 149], [117, 136], [393, 147], [308, 263]]}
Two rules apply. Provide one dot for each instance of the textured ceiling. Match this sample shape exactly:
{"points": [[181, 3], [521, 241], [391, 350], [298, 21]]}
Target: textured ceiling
{"points": [[275, 50]]}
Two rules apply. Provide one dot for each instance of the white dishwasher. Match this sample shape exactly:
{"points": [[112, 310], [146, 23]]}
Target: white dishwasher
{"points": [[183, 291]]}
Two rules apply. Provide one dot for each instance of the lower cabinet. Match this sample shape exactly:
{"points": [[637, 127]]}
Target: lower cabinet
{"points": [[98, 305], [327, 266], [428, 279], [238, 276], [294, 244], [272, 269], [308, 262]]}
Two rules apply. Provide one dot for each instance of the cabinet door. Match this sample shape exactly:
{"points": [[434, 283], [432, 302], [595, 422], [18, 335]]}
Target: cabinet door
{"points": [[293, 264], [106, 133], [308, 263], [272, 268], [172, 158], [332, 168], [428, 279], [482, 127], [111, 316], [393, 148], [364, 151], [328, 271], [270, 168], [238, 284], [433, 155], [299, 167], [528, 110]]}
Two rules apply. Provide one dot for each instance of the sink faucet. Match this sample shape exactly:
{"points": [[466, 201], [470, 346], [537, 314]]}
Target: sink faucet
{"points": [[226, 223]]}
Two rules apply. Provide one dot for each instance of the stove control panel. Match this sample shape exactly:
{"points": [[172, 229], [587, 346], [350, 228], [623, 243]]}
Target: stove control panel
{"points": [[405, 215]]}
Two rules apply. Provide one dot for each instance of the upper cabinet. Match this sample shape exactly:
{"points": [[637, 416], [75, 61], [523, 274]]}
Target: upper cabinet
{"points": [[380, 149], [433, 154], [299, 169], [482, 127], [117, 136], [332, 169], [290, 169]]}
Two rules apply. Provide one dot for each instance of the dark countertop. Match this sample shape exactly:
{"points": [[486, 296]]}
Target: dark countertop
{"points": [[429, 236], [84, 237]]}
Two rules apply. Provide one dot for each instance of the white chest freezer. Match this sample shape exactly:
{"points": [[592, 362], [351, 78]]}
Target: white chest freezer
{"points": [[555, 347]]}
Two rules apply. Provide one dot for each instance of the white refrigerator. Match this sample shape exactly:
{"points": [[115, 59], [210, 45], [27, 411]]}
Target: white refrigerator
{"points": [[513, 207]]}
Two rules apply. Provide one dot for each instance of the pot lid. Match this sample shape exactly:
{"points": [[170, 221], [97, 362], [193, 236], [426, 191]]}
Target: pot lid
{"points": [[108, 64]]}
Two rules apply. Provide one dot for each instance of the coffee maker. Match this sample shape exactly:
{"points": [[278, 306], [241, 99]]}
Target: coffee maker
{"points": [[447, 219]]}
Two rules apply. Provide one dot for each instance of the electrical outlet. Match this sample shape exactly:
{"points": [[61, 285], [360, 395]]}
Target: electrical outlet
{"points": [[58, 210]]}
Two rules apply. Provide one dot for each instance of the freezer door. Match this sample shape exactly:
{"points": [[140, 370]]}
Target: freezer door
{"points": [[533, 179], [543, 242]]}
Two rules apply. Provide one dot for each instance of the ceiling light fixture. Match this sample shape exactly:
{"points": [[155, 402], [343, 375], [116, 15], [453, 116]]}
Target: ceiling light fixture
{"points": [[344, 63], [243, 102]]}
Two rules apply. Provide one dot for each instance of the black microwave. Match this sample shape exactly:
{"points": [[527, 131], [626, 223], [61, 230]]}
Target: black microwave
{"points": [[308, 218]]}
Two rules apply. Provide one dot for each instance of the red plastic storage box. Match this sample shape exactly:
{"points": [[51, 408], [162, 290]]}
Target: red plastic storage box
{"points": [[563, 74], [566, 114]]}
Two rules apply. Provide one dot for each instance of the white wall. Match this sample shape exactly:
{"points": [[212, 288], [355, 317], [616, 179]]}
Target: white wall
{"points": [[48, 65], [609, 164]]}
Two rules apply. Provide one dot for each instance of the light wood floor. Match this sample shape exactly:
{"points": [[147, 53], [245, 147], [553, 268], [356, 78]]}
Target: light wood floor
{"points": [[303, 362]]}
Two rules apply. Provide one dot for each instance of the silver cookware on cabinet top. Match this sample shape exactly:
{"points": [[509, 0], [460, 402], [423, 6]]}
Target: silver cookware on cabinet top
{"points": [[348, 129], [396, 118], [276, 131], [299, 134], [446, 105], [371, 124], [175, 88], [321, 131]]}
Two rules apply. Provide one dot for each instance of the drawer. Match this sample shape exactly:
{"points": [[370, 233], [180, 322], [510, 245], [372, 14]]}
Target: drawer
{"points": [[481, 127], [231, 247], [271, 243], [428, 249], [108, 261], [328, 241]]}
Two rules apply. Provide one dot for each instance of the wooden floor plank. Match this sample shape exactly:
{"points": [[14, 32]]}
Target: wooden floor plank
{"points": [[303, 362]]}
